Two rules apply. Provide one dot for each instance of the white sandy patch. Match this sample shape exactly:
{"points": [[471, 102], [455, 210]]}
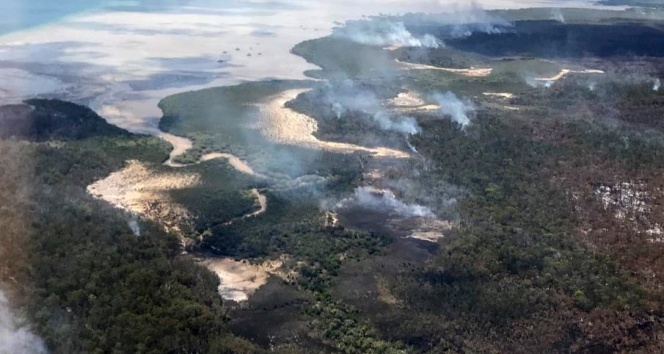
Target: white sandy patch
{"points": [[331, 219], [140, 190], [503, 95], [469, 72], [240, 279], [410, 101], [565, 72], [283, 125], [407, 99]]}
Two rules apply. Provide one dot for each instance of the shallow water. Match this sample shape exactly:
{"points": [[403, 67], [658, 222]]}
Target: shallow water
{"points": [[121, 57]]}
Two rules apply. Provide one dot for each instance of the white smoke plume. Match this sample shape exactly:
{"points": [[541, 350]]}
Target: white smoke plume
{"points": [[592, 86], [15, 337], [383, 32], [385, 200], [455, 107], [657, 85], [535, 83], [135, 227], [411, 147], [403, 124], [558, 15], [346, 97], [463, 21]]}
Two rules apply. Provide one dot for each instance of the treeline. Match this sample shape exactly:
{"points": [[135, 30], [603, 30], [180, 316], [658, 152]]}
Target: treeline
{"points": [[43, 120]]}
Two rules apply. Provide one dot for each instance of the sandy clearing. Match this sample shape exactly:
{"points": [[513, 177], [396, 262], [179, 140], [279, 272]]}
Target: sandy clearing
{"points": [[406, 99], [285, 126], [431, 230], [331, 219], [410, 101], [565, 72], [139, 190], [240, 279], [469, 72]]}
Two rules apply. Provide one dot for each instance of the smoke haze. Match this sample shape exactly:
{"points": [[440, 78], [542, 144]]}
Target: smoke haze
{"points": [[385, 201], [346, 97], [384, 32], [462, 22], [457, 109], [15, 337]]}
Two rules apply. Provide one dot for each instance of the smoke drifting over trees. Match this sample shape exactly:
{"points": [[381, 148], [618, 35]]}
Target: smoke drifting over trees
{"points": [[383, 32], [457, 24], [403, 31], [385, 201], [15, 337], [346, 97], [456, 108]]}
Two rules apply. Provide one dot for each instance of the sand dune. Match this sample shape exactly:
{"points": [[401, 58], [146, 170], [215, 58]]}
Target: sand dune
{"points": [[142, 191], [283, 125], [469, 72]]}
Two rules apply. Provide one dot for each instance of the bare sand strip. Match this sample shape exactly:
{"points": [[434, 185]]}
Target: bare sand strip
{"points": [[565, 72], [262, 201], [469, 72], [503, 95], [234, 161], [283, 125]]}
